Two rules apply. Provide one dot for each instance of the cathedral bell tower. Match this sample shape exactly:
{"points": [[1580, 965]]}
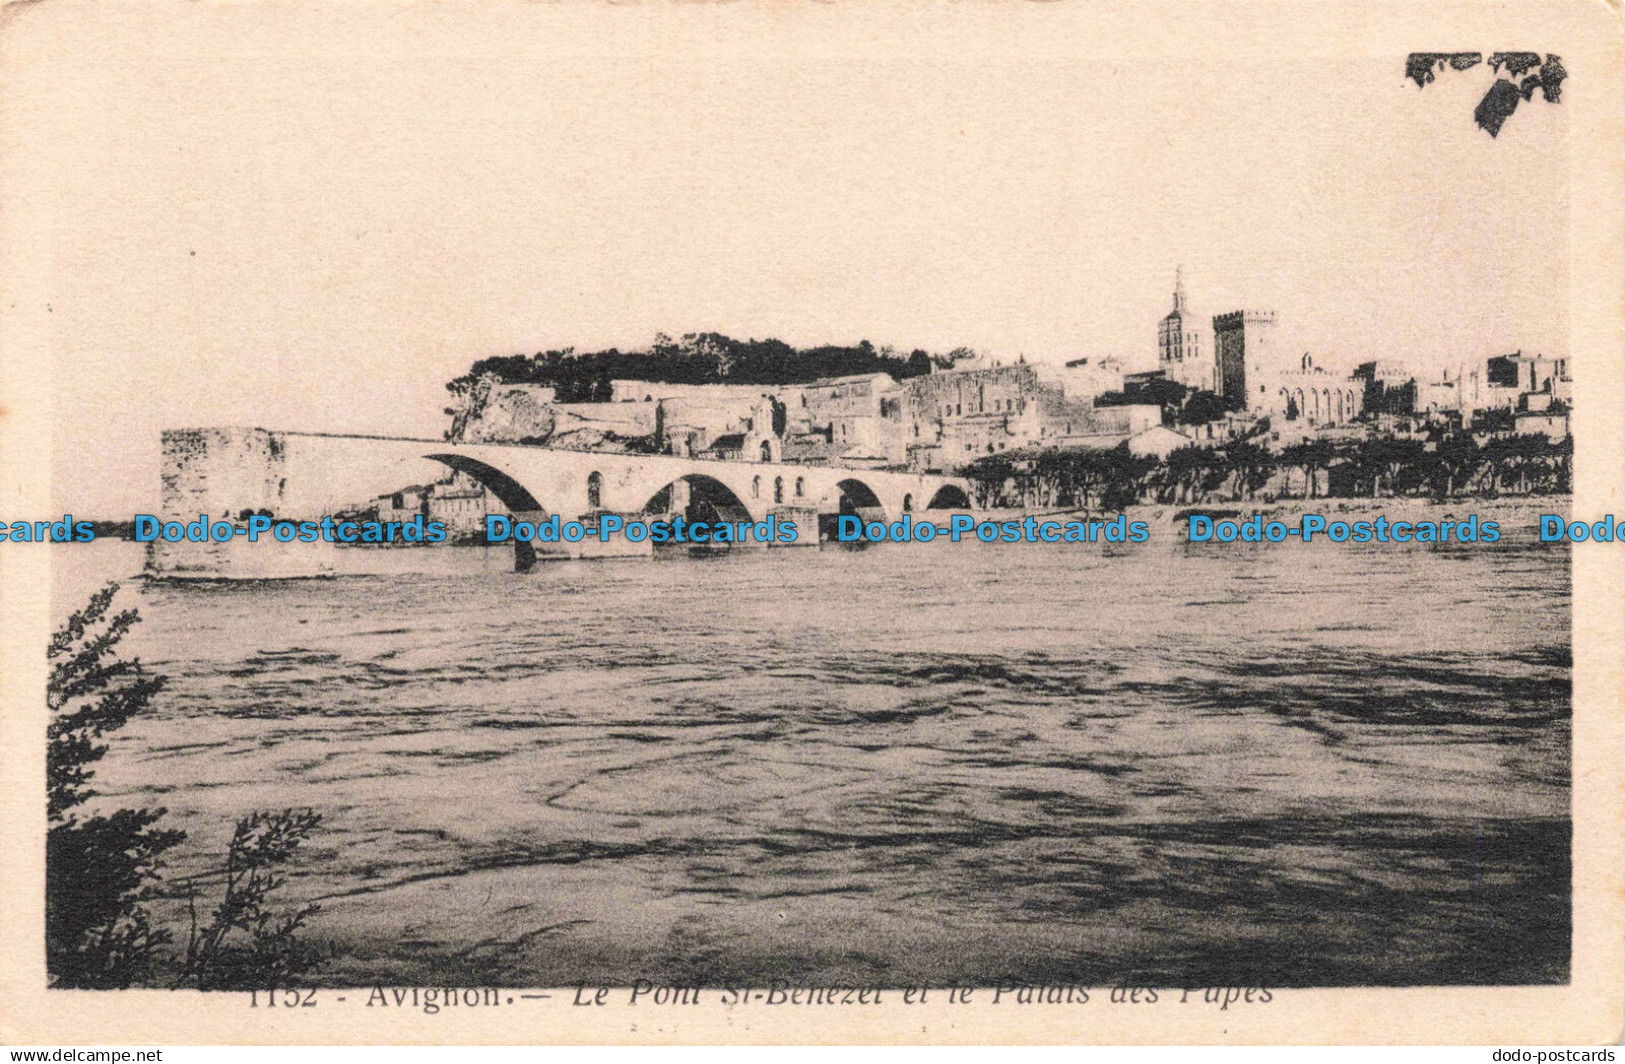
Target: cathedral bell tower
{"points": [[1184, 344]]}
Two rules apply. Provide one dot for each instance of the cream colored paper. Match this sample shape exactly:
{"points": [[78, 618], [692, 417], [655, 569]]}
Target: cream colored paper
{"points": [[311, 215]]}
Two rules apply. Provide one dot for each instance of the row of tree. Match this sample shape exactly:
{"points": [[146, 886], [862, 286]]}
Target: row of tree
{"points": [[1453, 466], [698, 358]]}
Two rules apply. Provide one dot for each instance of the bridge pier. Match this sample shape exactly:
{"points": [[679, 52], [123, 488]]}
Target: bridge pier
{"points": [[525, 555], [592, 547]]}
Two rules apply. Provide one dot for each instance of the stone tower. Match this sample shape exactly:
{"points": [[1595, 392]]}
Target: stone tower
{"points": [[1185, 344], [1246, 356]]}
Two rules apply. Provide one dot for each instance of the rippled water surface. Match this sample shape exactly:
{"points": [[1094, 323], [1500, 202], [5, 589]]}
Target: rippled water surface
{"points": [[1277, 765]]}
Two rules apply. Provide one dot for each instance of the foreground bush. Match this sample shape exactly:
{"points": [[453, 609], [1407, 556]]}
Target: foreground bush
{"points": [[101, 871]]}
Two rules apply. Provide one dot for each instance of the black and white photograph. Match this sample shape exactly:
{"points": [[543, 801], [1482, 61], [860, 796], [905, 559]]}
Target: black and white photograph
{"points": [[785, 513]]}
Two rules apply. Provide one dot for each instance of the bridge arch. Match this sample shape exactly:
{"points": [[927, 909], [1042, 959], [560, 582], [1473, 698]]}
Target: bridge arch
{"points": [[949, 497], [512, 494], [856, 497], [697, 497]]}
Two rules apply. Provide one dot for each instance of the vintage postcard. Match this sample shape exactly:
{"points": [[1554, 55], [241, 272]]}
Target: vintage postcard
{"points": [[798, 522]]}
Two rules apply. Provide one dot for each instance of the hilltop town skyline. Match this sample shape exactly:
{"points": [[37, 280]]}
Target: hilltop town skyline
{"points": [[1294, 334], [430, 419]]}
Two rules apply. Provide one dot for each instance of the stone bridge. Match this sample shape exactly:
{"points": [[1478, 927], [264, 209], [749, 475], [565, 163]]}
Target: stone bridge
{"points": [[300, 475]]}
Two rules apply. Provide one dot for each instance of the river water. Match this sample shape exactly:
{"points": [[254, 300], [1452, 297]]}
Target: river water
{"points": [[1161, 764]]}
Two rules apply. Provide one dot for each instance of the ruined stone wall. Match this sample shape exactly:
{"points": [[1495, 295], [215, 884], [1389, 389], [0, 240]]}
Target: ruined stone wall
{"points": [[222, 471], [586, 421], [647, 391], [223, 474]]}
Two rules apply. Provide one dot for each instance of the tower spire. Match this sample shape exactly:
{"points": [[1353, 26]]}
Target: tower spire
{"points": [[1179, 288]]}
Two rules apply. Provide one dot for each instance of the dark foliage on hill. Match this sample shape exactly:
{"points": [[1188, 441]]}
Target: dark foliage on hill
{"points": [[697, 358]]}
